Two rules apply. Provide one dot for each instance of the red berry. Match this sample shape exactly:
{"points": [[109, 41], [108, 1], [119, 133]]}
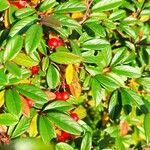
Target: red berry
{"points": [[58, 95], [29, 102], [67, 86], [55, 42], [66, 135], [60, 138], [34, 70], [65, 95], [74, 116], [19, 4]]}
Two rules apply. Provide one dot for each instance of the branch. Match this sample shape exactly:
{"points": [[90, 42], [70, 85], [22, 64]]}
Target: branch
{"points": [[87, 13]]}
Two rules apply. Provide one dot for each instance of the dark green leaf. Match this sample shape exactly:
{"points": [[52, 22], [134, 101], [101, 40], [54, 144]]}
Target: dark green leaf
{"points": [[13, 102], [21, 24], [24, 12], [33, 38], [105, 5], [58, 105], [65, 122], [32, 92], [69, 7], [53, 77], [46, 129], [13, 47]]}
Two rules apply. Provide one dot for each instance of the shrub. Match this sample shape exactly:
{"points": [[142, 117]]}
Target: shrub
{"points": [[75, 74]]}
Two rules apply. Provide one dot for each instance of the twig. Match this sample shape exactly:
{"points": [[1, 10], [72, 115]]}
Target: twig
{"points": [[86, 15]]}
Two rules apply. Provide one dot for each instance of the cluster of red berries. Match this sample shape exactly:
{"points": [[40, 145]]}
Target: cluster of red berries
{"points": [[19, 4], [55, 42], [62, 95], [65, 135]]}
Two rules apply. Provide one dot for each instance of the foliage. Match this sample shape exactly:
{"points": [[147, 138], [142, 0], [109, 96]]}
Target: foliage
{"points": [[86, 57]]}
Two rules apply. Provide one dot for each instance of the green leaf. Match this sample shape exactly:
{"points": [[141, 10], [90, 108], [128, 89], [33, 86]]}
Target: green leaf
{"points": [[126, 103], [105, 5], [114, 106], [65, 58], [117, 15], [33, 38], [70, 7], [13, 102], [145, 81], [47, 4], [3, 77], [13, 68], [107, 82], [53, 77], [8, 119], [97, 28], [46, 129], [65, 122], [146, 126], [45, 63], [119, 56], [13, 47], [21, 24], [32, 92], [21, 127], [58, 105], [3, 5], [75, 48], [96, 92], [133, 96], [24, 60], [127, 71], [24, 12], [63, 146], [86, 142], [67, 21], [95, 44]]}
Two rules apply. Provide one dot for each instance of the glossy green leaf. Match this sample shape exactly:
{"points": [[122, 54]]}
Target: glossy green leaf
{"points": [[13, 68], [107, 82], [33, 38], [13, 47], [145, 81], [24, 12], [63, 146], [47, 4], [86, 142], [96, 92], [114, 106], [65, 122], [46, 129], [105, 5], [117, 15], [13, 102], [32, 92], [24, 60], [8, 119], [146, 126], [21, 24], [3, 77], [65, 58], [3, 5], [58, 105], [53, 77], [127, 71], [69, 7], [95, 44]]}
